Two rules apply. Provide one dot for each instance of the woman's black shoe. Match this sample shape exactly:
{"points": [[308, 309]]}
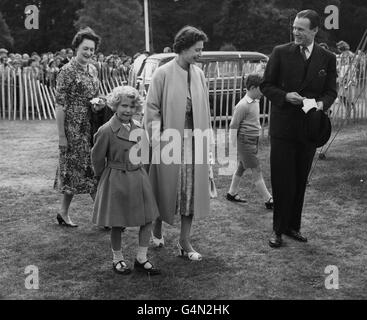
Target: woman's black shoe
{"points": [[62, 222], [140, 267]]}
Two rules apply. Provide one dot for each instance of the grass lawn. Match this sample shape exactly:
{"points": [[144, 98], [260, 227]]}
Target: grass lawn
{"points": [[237, 264]]}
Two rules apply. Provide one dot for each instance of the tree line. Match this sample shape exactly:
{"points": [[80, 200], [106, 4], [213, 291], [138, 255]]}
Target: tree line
{"points": [[230, 24]]}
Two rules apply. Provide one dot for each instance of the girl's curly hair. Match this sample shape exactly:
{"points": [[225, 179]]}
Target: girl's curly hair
{"points": [[118, 93]]}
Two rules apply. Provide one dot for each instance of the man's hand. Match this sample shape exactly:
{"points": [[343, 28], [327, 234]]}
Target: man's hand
{"points": [[320, 105], [63, 142], [294, 98]]}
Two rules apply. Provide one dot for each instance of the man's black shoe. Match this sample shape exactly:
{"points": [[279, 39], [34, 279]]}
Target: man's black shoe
{"points": [[276, 241], [296, 235]]}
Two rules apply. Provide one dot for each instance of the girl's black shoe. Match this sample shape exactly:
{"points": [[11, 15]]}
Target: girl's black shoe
{"points": [[121, 267], [140, 267], [62, 222]]}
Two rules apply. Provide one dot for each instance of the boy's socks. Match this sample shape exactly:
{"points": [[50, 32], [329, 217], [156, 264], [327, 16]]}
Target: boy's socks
{"points": [[142, 254], [234, 184], [117, 256]]}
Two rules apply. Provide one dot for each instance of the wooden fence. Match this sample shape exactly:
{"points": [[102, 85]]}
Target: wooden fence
{"points": [[351, 104], [24, 97], [226, 87], [110, 79]]}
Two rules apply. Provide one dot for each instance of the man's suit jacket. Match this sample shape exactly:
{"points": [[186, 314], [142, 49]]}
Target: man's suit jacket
{"points": [[285, 73]]}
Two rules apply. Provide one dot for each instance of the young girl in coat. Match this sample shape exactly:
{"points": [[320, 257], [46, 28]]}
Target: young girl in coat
{"points": [[124, 195]]}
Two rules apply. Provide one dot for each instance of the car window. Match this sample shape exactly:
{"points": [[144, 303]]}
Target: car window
{"points": [[253, 67], [150, 67], [223, 69]]}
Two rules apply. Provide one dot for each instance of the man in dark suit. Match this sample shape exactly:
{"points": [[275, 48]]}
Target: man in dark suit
{"points": [[295, 71]]}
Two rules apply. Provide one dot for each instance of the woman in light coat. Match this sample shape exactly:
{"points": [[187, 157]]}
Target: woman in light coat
{"points": [[178, 99]]}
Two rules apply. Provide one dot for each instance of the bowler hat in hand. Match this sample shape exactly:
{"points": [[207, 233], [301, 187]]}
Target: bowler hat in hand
{"points": [[317, 127]]}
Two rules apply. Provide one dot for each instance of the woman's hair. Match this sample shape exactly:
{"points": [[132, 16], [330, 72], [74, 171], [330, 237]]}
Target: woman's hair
{"points": [[187, 37], [118, 93], [86, 33]]}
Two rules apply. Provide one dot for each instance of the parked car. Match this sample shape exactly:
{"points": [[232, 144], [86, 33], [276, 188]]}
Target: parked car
{"points": [[225, 71]]}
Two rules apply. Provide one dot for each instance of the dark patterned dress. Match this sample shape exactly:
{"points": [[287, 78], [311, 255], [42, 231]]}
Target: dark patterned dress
{"points": [[75, 88]]}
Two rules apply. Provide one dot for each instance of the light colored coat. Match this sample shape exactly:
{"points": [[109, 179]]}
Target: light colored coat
{"points": [[166, 103]]}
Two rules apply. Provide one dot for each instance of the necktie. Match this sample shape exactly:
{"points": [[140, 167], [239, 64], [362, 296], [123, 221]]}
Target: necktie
{"points": [[303, 53]]}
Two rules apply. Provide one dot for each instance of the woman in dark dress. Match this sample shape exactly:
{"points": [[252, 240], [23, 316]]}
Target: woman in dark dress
{"points": [[77, 84]]}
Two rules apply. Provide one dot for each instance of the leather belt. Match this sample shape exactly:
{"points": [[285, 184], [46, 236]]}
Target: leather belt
{"points": [[124, 166]]}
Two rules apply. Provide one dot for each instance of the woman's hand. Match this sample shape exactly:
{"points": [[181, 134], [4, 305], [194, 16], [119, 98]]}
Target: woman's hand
{"points": [[98, 103], [63, 142]]}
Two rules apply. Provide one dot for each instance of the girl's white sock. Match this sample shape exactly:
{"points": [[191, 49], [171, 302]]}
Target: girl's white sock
{"points": [[142, 254], [117, 256]]}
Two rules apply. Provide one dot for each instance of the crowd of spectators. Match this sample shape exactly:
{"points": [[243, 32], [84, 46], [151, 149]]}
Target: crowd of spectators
{"points": [[45, 67]]}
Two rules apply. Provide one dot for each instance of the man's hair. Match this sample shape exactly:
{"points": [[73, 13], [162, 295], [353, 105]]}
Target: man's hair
{"points": [[253, 80], [86, 33], [311, 15], [187, 37]]}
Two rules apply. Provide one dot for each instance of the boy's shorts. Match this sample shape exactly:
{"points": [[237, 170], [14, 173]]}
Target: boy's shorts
{"points": [[247, 149]]}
